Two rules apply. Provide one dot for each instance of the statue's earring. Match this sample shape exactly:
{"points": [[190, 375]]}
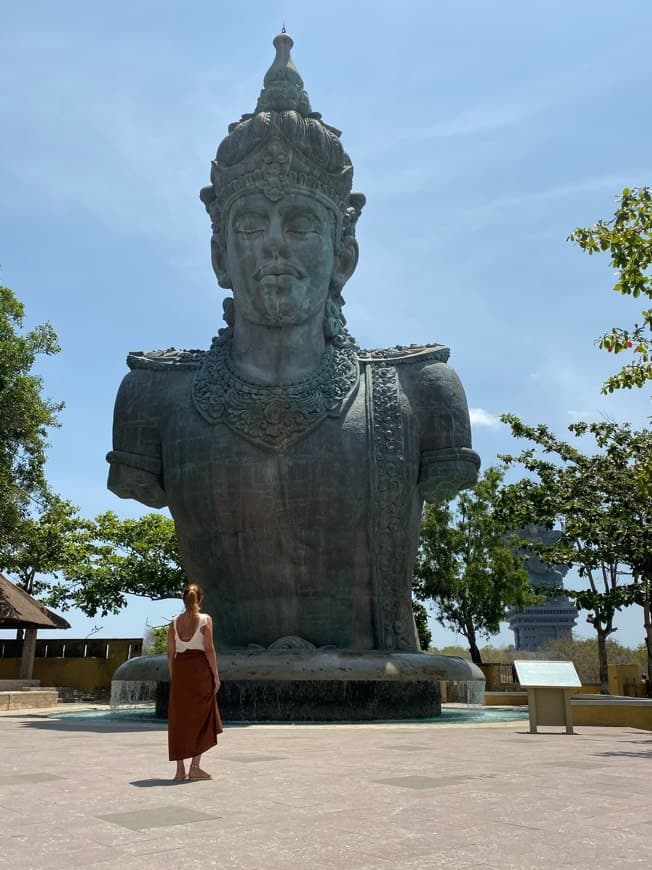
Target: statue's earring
{"points": [[346, 263], [218, 259], [227, 311]]}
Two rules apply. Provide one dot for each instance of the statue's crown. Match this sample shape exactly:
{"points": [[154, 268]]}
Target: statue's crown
{"points": [[282, 85], [283, 146]]}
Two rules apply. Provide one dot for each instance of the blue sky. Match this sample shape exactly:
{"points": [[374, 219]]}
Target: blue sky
{"points": [[481, 134]]}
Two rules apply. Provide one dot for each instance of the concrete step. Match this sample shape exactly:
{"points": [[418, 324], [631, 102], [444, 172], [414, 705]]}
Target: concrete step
{"points": [[13, 685], [28, 699]]}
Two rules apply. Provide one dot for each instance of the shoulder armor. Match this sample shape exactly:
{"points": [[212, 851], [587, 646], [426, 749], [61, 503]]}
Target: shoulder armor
{"points": [[166, 360], [400, 354]]}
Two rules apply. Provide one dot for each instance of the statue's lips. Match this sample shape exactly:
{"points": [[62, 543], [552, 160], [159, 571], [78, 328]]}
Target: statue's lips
{"points": [[277, 270]]}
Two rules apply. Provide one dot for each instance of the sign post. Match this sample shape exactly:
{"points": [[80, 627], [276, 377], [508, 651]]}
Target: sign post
{"points": [[549, 688]]}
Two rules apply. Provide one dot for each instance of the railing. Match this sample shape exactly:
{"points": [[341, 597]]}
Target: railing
{"points": [[100, 648], [500, 677]]}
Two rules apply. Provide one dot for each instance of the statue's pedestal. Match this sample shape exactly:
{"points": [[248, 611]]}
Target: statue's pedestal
{"points": [[325, 685]]}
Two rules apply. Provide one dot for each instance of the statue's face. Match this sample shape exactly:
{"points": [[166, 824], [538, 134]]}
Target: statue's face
{"points": [[279, 258]]}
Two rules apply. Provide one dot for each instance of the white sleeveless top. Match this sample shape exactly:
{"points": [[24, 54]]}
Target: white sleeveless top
{"points": [[196, 641]]}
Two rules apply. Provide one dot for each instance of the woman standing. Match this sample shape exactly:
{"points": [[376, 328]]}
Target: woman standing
{"points": [[193, 717]]}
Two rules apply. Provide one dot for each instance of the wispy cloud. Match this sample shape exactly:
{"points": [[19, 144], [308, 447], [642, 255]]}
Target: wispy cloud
{"points": [[486, 213], [512, 107], [481, 417], [571, 389]]}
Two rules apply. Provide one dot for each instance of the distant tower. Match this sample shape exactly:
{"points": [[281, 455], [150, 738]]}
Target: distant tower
{"points": [[551, 620]]}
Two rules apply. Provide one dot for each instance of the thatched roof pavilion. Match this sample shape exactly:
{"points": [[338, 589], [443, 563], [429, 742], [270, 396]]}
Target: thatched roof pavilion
{"points": [[20, 610]]}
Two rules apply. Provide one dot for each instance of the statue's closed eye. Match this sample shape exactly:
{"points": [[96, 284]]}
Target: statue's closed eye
{"points": [[249, 223]]}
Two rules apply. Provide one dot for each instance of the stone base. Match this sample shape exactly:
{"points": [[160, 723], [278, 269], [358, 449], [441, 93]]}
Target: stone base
{"points": [[329, 685], [320, 700]]}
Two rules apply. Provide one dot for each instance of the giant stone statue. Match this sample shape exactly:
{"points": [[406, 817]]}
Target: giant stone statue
{"points": [[294, 464]]}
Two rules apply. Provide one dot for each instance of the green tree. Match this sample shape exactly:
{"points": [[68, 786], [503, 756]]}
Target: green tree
{"points": [[503, 654], [47, 541], [156, 641], [467, 565], [25, 416], [583, 652], [628, 238], [421, 622], [605, 516], [118, 558], [459, 651]]}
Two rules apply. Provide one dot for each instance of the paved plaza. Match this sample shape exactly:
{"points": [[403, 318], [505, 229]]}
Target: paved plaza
{"points": [[95, 793]]}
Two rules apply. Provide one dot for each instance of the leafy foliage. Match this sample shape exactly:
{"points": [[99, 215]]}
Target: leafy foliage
{"points": [[604, 513], [459, 651], [628, 238], [25, 415], [585, 655], [120, 557], [583, 652], [421, 621], [156, 641], [49, 540], [467, 564]]}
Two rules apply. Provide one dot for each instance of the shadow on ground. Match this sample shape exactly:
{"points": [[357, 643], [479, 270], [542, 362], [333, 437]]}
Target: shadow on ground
{"points": [[99, 726], [631, 753], [158, 783]]}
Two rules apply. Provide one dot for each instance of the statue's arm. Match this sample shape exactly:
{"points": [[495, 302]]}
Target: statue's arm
{"points": [[448, 463], [135, 461]]}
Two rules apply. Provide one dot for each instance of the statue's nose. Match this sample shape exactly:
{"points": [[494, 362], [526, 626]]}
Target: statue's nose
{"points": [[276, 242]]}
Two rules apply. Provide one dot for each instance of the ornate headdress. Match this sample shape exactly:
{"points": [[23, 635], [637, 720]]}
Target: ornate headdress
{"points": [[284, 146]]}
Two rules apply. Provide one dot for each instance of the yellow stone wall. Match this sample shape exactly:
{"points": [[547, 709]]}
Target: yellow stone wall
{"points": [[625, 715], [74, 672]]}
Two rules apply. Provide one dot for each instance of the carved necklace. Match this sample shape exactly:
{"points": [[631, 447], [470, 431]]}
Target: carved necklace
{"points": [[274, 417]]}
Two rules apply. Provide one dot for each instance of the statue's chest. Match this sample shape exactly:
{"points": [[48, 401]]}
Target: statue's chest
{"points": [[274, 417], [213, 472]]}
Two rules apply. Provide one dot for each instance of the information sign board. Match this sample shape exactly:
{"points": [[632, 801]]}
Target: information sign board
{"points": [[552, 675]]}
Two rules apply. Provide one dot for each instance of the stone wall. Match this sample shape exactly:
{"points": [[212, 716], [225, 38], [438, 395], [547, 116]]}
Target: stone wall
{"points": [[85, 665]]}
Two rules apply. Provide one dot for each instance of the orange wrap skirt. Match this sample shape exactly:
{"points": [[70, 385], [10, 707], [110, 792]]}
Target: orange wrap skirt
{"points": [[193, 717]]}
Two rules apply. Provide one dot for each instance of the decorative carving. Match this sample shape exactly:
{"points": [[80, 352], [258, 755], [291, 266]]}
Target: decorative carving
{"points": [[291, 641], [165, 360], [388, 457], [274, 416], [411, 353]]}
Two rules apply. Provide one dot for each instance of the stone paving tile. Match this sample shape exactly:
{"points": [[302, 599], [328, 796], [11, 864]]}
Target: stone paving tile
{"points": [[575, 765], [408, 748], [540, 850], [106, 834], [436, 861], [49, 852], [172, 859], [316, 803], [26, 778], [258, 848], [248, 759], [156, 817], [423, 782]]}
